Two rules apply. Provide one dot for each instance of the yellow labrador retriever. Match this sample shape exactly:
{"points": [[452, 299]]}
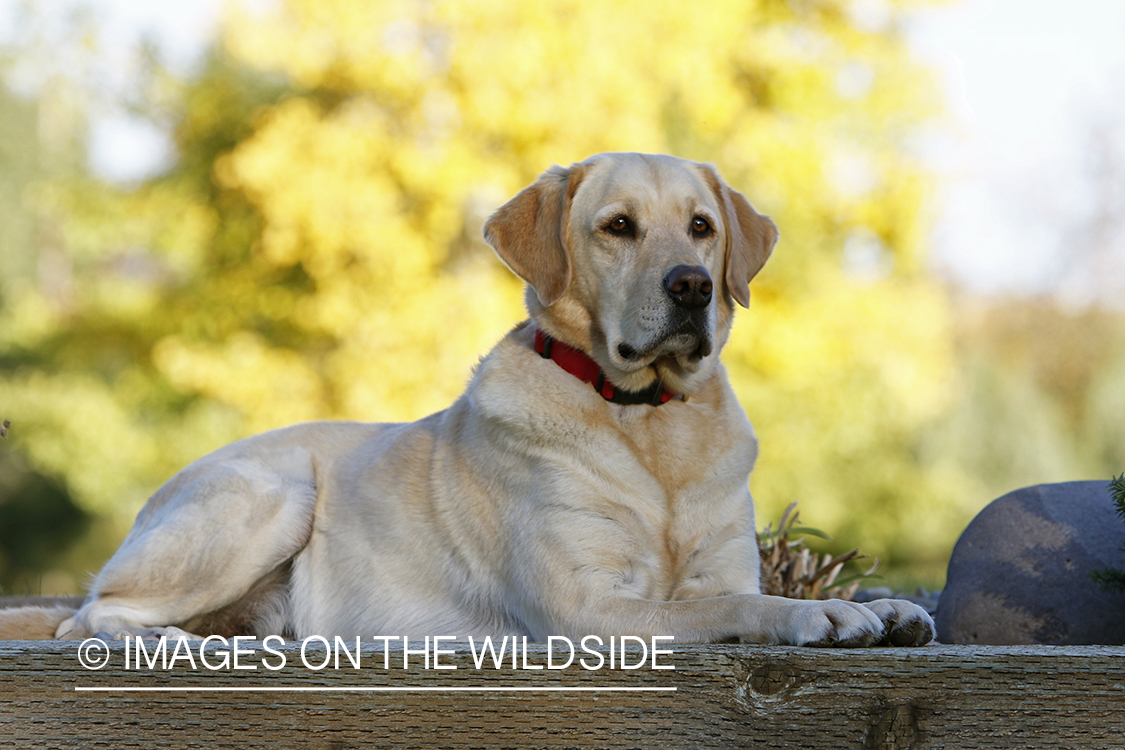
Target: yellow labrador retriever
{"points": [[591, 480]]}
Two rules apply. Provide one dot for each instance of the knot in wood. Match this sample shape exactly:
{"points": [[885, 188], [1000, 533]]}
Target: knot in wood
{"points": [[773, 678], [896, 728]]}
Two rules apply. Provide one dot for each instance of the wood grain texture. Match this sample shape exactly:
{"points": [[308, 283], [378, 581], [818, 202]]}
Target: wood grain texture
{"points": [[729, 696]]}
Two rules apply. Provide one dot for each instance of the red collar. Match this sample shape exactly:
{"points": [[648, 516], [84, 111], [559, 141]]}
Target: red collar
{"points": [[579, 364]]}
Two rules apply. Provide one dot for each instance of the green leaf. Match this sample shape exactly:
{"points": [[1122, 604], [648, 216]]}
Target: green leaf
{"points": [[795, 530]]}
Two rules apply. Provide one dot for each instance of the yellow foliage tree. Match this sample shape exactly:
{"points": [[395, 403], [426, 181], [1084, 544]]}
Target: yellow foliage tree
{"points": [[316, 253]]}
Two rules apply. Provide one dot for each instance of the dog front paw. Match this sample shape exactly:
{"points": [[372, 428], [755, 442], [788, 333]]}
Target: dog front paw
{"points": [[833, 623], [904, 623]]}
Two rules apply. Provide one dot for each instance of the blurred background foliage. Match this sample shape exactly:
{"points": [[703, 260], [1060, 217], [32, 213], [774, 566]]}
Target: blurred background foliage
{"points": [[313, 251]]}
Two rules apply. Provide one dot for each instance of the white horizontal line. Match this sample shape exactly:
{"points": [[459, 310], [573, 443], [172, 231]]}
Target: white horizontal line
{"points": [[498, 689]]}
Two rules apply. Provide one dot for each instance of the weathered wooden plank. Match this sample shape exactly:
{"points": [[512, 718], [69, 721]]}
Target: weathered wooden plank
{"points": [[726, 697]]}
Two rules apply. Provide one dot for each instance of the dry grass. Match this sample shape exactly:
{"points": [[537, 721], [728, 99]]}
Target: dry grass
{"points": [[792, 570]]}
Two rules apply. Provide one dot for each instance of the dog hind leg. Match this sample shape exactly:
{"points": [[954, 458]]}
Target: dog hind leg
{"points": [[203, 541]]}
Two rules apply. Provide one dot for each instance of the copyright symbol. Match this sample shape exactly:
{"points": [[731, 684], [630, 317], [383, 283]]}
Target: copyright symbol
{"points": [[93, 653]]}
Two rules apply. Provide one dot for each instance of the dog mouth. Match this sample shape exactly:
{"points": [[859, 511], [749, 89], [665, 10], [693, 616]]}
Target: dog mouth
{"points": [[686, 343]]}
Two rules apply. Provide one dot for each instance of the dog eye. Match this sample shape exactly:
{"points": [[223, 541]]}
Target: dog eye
{"points": [[700, 227], [621, 226]]}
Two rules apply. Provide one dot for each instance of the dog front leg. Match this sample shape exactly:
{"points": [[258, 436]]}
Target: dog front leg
{"points": [[752, 618]]}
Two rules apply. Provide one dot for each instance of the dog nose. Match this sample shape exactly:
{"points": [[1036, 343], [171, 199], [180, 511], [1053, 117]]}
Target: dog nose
{"points": [[689, 286]]}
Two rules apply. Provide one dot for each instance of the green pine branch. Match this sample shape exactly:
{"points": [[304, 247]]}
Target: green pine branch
{"points": [[1113, 579], [1117, 489]]}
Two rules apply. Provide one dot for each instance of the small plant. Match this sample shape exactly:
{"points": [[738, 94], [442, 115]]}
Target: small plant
{"points": [[792, 570], [4, 428], [1113, 579]]}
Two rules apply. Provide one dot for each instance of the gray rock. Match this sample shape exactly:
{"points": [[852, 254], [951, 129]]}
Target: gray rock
{"points": [[869, 595], [1020, 573]]}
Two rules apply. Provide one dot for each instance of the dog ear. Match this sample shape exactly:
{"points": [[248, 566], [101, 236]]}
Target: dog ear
{"points": [[529, 232], [750, 237]]}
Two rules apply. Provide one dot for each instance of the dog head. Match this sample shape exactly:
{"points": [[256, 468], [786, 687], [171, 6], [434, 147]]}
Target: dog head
{"points": [[637, 260]]}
